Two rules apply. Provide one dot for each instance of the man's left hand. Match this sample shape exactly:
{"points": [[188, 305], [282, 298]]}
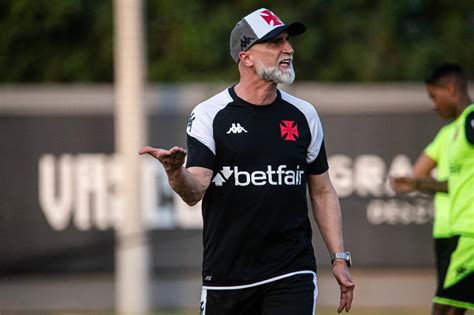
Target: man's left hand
{"points": [[344, 279]]}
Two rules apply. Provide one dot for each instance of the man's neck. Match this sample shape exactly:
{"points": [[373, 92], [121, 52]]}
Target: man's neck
{"points": [[257, 92]]}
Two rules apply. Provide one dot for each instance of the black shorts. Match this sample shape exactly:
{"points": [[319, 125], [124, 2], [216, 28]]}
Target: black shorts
{"points": [[443, 248], [460, 294], [288, 294]]}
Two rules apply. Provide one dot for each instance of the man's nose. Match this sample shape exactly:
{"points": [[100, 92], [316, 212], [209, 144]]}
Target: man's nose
{"points": [[287, 48]]}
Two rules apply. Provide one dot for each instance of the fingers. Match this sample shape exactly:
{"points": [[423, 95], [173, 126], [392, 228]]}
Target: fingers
{"points": [[402, 184], [146, 150], [174, 160], [157, 153], [396, 181], [177, 150], [345, 301], [176, 155], [346, 284], [171, 159]]}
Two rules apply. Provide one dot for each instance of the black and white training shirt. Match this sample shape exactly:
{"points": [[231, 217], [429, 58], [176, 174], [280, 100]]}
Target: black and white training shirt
{"points": [[256, 223]]}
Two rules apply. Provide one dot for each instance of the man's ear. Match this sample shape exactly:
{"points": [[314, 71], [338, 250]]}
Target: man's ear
{"points": [[245, 59], [452, 88]]}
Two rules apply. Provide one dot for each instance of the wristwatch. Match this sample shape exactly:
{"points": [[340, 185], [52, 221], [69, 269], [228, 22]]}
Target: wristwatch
{"points": [[346, 256]]}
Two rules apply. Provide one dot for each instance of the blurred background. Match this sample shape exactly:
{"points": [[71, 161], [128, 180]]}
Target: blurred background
{"points": [[361, 63]]}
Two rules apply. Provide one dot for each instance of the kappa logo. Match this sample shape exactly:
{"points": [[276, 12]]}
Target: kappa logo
{"points": [[281, 176], [270, 18], [289, 130], [236, 128]]}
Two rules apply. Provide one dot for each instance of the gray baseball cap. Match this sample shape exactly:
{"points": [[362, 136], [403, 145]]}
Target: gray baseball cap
{"points": [[257, 27]]}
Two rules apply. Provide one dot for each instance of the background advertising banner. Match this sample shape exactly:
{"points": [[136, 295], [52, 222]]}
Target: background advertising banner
{"points": [[60, 198]]}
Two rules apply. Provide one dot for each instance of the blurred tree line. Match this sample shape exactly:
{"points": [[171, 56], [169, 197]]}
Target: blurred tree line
{"points": [[356, 40]]}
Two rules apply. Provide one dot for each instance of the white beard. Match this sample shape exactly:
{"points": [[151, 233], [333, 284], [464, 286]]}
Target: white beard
{"points": [[273, 74]]}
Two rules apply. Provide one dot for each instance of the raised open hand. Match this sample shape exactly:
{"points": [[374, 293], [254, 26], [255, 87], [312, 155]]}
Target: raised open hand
{"points": [[171, 159]]}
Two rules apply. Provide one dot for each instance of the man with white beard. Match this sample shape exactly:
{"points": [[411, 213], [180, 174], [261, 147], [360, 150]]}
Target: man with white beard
{"points": [[252, 152]]}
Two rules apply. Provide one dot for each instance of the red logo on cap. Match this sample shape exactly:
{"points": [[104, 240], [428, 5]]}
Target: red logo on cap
{"points": [[270, 18]]}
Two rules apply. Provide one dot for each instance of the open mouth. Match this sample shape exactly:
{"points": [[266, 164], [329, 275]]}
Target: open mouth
{"points": [[285, 63]]}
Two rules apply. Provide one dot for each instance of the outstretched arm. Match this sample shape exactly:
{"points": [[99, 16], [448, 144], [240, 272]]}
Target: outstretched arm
{"points": [[327, 213], [410, 184], [421, 179], [190, 184]]}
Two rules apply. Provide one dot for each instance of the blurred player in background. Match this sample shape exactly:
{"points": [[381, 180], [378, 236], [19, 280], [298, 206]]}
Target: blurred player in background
{"points": [[252, 152], [452, 153]]}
